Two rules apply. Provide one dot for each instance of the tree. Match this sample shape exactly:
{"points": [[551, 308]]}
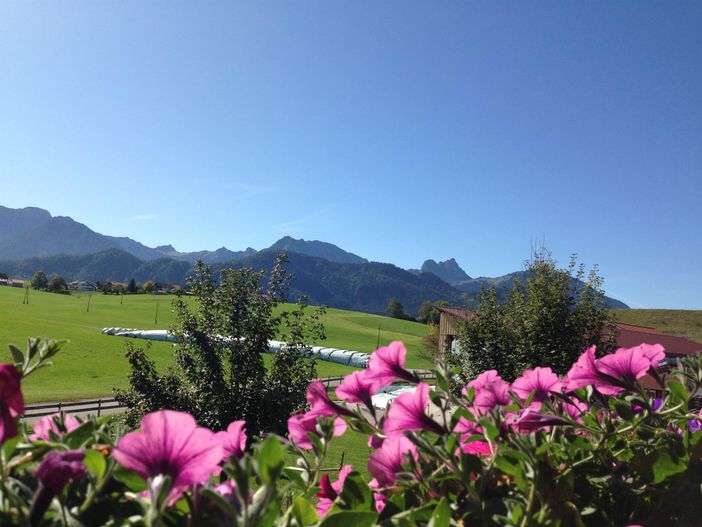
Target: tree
{"points": [[548, 320], [428, 313], [58, 284], [220, 375], [132, 287], [395, 309], [3, 276], [149, 287], [40, 281]]}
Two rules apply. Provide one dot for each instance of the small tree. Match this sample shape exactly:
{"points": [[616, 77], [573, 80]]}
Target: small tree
{"points": [[547, 320], [40, 281], [395, 309], [149, 287], [3, 276], [220, 375], [132, 287], [428, 313], [58, 284]]}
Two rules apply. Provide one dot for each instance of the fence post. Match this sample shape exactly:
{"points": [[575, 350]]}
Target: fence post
{"points": [[99, 406], [59, 407]]}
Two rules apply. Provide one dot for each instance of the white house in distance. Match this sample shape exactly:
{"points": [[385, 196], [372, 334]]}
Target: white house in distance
{"points": [[82, 285]]}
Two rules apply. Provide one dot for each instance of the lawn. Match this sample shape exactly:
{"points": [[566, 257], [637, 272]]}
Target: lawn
{"points": [[678, 322], [92, 364]]}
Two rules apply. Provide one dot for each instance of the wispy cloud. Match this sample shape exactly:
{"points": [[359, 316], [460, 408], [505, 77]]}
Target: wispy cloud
{"points": [[150, 216], [237, 189], [297, 226]]}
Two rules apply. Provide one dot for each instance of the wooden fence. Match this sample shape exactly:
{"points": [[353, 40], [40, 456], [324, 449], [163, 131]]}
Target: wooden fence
{"points": [[99, 406]]}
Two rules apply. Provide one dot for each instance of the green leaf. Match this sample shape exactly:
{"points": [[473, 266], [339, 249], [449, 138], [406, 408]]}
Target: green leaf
{"points": [[17, 354], [131, 480], [95, 463], [304, 511], [271, 459], [658, 465], [677, 391], [666, 466], [220, 502], [442, 515], [350, 519], [356, 495], [76, 438], [295, 476]]}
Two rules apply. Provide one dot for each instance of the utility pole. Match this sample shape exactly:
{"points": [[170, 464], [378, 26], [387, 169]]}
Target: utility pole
{"points": [[377, 344], [26, 296], [90, 295], [156, 319]]}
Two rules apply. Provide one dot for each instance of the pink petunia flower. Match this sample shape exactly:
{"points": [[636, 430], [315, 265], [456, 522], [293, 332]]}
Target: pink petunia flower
{"points": [[378, 497], [467, 429], [59, 468], [357, 387], [490, 391], [170, 443], [11, 401], [386, 462], [329, 491], [407, 413], [387, 364], [541, 381], [610, 373], [233, 440], [56, 470], [529, 420], [375, 441], [57, 423], [300, 425], [320, 402]]}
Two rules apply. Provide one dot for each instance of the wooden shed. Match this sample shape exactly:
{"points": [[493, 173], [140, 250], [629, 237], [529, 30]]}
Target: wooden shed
{"points": [[449, 320]]}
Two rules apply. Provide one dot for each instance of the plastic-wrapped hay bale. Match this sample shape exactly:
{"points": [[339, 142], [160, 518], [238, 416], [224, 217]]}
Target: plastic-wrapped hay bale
{"points": [[352, 358]]}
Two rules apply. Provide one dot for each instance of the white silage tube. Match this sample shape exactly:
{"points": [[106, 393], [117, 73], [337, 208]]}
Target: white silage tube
{"points": [[356, 359]]}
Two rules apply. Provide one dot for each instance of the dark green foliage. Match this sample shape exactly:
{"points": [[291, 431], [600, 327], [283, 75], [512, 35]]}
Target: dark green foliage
{"points": [[132, 286], [58, 285], [40, 281], [3, 276], [428, 313], [395, 309], [545, 321], [220, 375]]}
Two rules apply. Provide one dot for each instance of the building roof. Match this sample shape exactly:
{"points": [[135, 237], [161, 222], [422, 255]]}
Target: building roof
{"points": [[456, 312], [640, 329], [677, 346]]}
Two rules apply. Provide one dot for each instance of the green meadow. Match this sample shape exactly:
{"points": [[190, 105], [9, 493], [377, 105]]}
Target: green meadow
{"points": [[92, 364]]}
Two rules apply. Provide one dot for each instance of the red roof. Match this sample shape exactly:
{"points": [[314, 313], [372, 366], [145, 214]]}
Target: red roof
{"points": [[640, 329], [675, 346]]}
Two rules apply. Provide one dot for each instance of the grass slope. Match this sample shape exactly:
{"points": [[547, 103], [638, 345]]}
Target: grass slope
{"points": [[92, 363], [681, 323]]}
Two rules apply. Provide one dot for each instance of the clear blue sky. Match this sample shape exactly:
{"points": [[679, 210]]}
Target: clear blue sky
{"points": [[398, 130]]}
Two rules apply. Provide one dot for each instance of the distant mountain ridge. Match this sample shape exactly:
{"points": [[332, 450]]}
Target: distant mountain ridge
{"points": [[325, 250], [31, 239], [362, 287], [449, 271]]}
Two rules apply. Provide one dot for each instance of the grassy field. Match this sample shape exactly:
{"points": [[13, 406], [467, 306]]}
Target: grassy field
{"points": [[92, 363], [680, 323]]}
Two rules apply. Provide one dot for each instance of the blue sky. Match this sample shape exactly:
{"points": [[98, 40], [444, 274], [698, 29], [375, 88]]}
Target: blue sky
{"points": [[398, 130]]}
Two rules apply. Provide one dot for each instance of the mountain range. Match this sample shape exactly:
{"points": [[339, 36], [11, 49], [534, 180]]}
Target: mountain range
{"points": [[31, 239]]}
